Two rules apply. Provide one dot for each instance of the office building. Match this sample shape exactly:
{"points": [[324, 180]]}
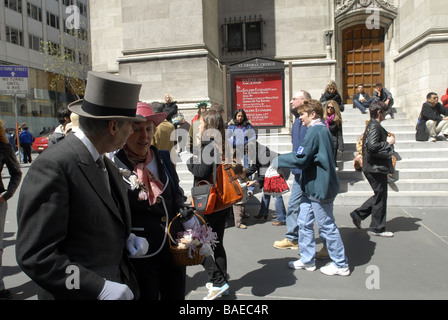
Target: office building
{"points": [[27, 26]]}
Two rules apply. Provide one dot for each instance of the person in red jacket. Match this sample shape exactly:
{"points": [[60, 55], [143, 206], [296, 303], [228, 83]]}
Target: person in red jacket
{"points": [[444, 99]]}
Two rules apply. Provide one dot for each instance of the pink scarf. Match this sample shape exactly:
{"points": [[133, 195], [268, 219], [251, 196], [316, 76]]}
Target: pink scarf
{"points": [[153, 186], [329, 120]]}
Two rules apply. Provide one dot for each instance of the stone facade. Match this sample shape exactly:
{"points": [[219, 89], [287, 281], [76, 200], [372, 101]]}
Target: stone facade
{"points": [[181, 48]]}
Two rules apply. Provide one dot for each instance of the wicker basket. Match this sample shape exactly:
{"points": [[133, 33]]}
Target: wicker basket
{"points": [[180, 256]]}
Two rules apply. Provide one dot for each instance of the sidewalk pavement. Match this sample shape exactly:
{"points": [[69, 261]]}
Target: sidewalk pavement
{"points": [[411, 265]]}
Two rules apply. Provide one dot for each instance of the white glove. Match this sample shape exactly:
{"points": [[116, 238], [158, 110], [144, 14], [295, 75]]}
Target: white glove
{"points": [[137, 246], [115, 291]]}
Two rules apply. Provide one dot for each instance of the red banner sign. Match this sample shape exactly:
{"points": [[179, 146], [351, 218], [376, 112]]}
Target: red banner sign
{"points": [[261, 96]]}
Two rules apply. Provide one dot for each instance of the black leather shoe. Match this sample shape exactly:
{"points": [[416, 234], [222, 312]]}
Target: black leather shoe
{"points": [[356, 220]]}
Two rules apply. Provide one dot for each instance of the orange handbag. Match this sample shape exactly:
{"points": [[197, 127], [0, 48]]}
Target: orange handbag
{"points": [[227, 186], [223, 192]]}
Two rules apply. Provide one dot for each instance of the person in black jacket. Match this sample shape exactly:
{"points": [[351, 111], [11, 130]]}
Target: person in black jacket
{"points": [[331, 93], [377, 150], [432, 124], [201, 166], [8, 157], [154, 203], [170, 107], [382, 94], [333, 121]]}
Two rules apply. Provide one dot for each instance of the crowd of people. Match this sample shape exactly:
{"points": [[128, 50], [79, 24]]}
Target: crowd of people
{"points": [[101, 199]]}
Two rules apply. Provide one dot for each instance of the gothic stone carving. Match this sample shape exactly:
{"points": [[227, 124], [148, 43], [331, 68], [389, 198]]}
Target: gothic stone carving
{"points": [[345, 6]]}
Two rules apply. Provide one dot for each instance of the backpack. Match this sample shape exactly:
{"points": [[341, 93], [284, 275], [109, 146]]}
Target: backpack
{"points": [[421, 134]]}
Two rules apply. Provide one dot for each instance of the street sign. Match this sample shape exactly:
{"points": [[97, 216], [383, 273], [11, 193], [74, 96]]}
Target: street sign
{"points": [[14, 80]]}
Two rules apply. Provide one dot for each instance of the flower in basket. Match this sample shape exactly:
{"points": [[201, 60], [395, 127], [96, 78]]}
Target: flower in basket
{"points": [[199, 237]]}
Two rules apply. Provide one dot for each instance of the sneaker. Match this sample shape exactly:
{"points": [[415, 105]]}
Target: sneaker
{"points": [[332, 270], [298, 264], [441, 137], [432, 139], [356, 220], [5, 295], [385, 234], [322, 253], [286, 244], [209, 285], [242, 226], [216, 292]]}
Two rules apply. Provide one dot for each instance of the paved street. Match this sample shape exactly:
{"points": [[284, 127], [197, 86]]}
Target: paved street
{"points": [[412, 265]]}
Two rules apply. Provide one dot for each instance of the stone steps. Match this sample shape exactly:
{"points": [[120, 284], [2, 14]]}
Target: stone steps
{"points": [[421, 177]]}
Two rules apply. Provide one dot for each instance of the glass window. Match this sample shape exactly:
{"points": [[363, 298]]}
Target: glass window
{"points": [[253, 36], [235, 37]]}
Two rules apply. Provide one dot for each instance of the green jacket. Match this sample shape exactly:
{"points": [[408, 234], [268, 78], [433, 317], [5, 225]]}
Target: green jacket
{"points": [[315, 157]]}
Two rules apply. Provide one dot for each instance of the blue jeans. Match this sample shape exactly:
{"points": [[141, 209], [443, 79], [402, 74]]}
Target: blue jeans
{"points": [[292, 228], [362, 105], [322, 213], [279, 206]]}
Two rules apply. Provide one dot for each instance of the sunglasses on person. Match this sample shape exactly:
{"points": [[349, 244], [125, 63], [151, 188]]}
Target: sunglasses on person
{"points": [[330, 107]]}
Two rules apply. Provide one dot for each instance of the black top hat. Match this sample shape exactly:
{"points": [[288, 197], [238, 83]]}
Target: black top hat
{"points": [[109, 97]]}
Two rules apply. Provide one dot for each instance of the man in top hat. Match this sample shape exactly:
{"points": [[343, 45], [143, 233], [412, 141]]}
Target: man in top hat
{"points": [[73, 215]]}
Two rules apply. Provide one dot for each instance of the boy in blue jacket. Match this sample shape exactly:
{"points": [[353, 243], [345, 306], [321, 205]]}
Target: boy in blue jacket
{"points": [[320, 186]]}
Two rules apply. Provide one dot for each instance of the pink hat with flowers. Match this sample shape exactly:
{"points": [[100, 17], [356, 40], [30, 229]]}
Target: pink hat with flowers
{"points": [[145, 110]]}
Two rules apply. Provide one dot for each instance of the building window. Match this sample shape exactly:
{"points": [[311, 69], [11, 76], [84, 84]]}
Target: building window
{"points": [[34, 42], [53, 49], [235, 37], [14, 36], [6, 108], [82, 9], [83, 59], [70, 55], [253, 36], [53, 20], [34, 12], [242, 35], [15, 5]]}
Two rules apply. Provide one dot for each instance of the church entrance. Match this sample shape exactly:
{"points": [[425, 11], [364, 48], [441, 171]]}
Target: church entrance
{"points": [[363, 59]]}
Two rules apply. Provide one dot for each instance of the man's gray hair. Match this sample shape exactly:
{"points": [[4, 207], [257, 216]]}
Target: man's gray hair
{"points": [[306, 94], [94, 127]]}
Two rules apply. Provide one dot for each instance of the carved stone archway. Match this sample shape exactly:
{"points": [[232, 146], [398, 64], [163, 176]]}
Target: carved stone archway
{"points": [[354, 12]]}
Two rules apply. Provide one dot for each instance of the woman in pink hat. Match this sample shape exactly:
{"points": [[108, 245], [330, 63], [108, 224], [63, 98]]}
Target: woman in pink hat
{"points": [[155, 199]]}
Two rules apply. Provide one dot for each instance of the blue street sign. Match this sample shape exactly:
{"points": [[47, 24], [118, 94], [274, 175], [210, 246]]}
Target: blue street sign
{"points": [[14, 71]]}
